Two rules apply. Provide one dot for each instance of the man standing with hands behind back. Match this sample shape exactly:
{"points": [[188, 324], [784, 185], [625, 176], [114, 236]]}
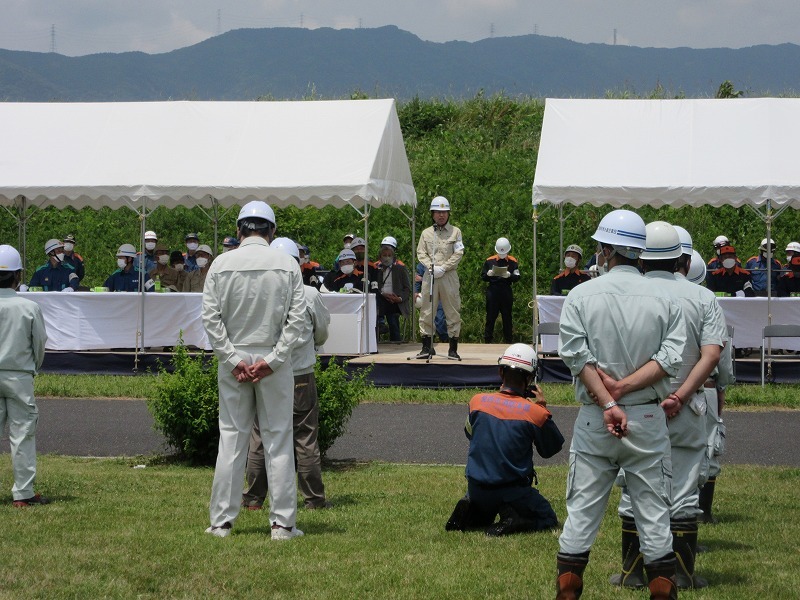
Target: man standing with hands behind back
{"points": [[254, 313], [440, 249]]}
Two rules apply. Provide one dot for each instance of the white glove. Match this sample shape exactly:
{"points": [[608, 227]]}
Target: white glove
{"points": [[506, 275], [438, 272], [490, 272], [67, 289], [418, 301], [23, 287]]}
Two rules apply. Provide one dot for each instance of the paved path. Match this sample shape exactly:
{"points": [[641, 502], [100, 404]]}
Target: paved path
{"points": [[387, 432]]}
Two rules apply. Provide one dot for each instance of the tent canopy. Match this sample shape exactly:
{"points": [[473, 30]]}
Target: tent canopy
{"points": [[669, 152], [196, 153]]}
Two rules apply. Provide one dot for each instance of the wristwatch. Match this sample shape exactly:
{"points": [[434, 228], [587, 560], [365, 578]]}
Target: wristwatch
{"points": [[611, 404]]}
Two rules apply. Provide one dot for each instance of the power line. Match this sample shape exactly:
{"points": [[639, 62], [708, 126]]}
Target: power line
{"points": [[53, 39], [491, 30], [219, 21]]}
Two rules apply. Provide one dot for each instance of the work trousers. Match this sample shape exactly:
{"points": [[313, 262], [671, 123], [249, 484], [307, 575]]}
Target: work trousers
{"points": [[596, 457], [306, 450], [445, 290], [716, 433], [689, 453], [486, 503], [499, 301], [239, 403], [18, 409]]}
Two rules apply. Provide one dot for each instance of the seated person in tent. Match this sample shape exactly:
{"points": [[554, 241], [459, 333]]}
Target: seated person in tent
{"points": [[73, 258], [308, 267], [56, 275], [162, 274], [126, 277], [571, 275], [347, 278], [730, 279], [757, 265], [503, 428], [194, 281], [359, 247], [230, 243], [789, 283]]}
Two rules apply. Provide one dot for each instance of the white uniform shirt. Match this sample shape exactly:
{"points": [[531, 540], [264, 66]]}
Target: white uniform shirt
{"points": [[315, 333], [619, 322], [254, 298], [23, 333]]}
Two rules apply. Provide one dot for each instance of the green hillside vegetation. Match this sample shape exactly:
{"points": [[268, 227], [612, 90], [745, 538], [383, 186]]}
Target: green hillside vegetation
{"points": [[479, 153]]}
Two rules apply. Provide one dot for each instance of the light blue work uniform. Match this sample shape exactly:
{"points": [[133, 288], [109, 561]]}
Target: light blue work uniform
{"points": [[21, 356], [254, 307], [705, 326], [620, 322], [715, 428]]}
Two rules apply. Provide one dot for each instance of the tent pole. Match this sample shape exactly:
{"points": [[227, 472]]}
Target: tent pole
{"points": [[535, 303], [413, 272], [142, 263], [561, 221], [215, 221], [365, 330]]}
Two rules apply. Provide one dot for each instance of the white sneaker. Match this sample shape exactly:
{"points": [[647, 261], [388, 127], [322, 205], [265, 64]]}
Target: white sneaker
{"points": [[221, 532], [279, 533]]}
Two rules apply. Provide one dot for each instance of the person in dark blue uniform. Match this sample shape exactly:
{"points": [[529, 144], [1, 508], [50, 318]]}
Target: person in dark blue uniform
{"points": [[730, 278], [347, 273], [789, 283], [572, 275], [503, 428], [55, 275], [73, 258], [126, 277], [500, 270]]}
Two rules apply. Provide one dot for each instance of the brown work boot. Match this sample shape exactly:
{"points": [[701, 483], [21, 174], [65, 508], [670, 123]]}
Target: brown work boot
{"points": [[569, 585], [661, 578]]}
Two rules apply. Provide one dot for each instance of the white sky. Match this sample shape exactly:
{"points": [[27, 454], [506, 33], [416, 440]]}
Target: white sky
{"points": [[153, 26]]}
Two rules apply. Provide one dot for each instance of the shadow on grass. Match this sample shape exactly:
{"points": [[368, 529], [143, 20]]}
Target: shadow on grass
{"points": [[308, 529], [343, 465], [711, 544], [732, 577]]}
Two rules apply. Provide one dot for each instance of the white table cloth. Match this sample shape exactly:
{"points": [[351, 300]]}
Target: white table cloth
{"points": [[100, 321], [748, 316]]}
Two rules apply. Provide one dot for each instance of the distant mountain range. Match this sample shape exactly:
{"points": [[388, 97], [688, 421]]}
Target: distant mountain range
{"points": [[292, 63]]}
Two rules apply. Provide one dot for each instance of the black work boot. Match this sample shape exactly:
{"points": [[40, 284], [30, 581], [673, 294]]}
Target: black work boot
{"points": [[684, 543], [458, 520], [632, 575], [427, 348], [661, 578], [569, 585], [453, 352], [706, 501]]}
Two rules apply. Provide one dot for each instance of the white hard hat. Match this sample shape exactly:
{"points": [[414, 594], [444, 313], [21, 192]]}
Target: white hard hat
{"points": [[257, 209], [389, 241], [686, 240], [286, 245], [9, 259], [502, 246], [763, 245], [150, 235], [440, 203], [622, 229], [127, 250], [51, 245], [793, 247], [345, 254], [574, 248], [205, 248], [697, 268], [519, 356], [662, 241], [357, 242], [721, 240]]}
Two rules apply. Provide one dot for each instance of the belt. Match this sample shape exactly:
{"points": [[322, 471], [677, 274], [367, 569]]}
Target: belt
{"points": [[656, 401], [711, 383]]}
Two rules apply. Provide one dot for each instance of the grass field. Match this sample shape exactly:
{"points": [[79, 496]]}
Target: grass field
{"points": [[118, 532], [143, 386]]}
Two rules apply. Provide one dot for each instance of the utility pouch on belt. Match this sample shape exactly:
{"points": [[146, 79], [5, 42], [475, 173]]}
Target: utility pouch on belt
{"points": [[698, 404], [719, 440]]}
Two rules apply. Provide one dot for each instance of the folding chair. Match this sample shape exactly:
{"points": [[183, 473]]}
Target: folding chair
{"points": [[776, 331], [547, 329]]}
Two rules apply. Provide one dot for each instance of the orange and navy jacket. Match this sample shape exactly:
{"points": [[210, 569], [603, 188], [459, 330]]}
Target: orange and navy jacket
{"points": [[566, 280], [495, 261], [336, 280], [730, 283], [788, 284], [309, 272], [503, 428]]}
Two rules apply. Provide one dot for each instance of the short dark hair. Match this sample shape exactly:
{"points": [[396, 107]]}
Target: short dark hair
{"points": [[662, 264], [683, 262], [515, 377], [8, 279], [622, 259], [255, 226]]}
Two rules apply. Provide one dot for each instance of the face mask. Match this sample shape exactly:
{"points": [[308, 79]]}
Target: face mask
{"points": [[60, 257], [347, 269], [178, 267], [570, 262], [163, 259], [502, 254], [68, 247], [387, 261], [122, 263], [202, 262], [150, 246], [192, 246], [347, 246], [788, 259], [729, 263], [304, 260]]}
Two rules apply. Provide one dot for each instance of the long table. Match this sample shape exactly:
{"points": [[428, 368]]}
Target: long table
{"points": [[748, 316], [105, 320]]}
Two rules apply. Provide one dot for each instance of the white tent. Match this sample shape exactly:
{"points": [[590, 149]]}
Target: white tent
{"points": [[211, 154], [731, 152]]}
